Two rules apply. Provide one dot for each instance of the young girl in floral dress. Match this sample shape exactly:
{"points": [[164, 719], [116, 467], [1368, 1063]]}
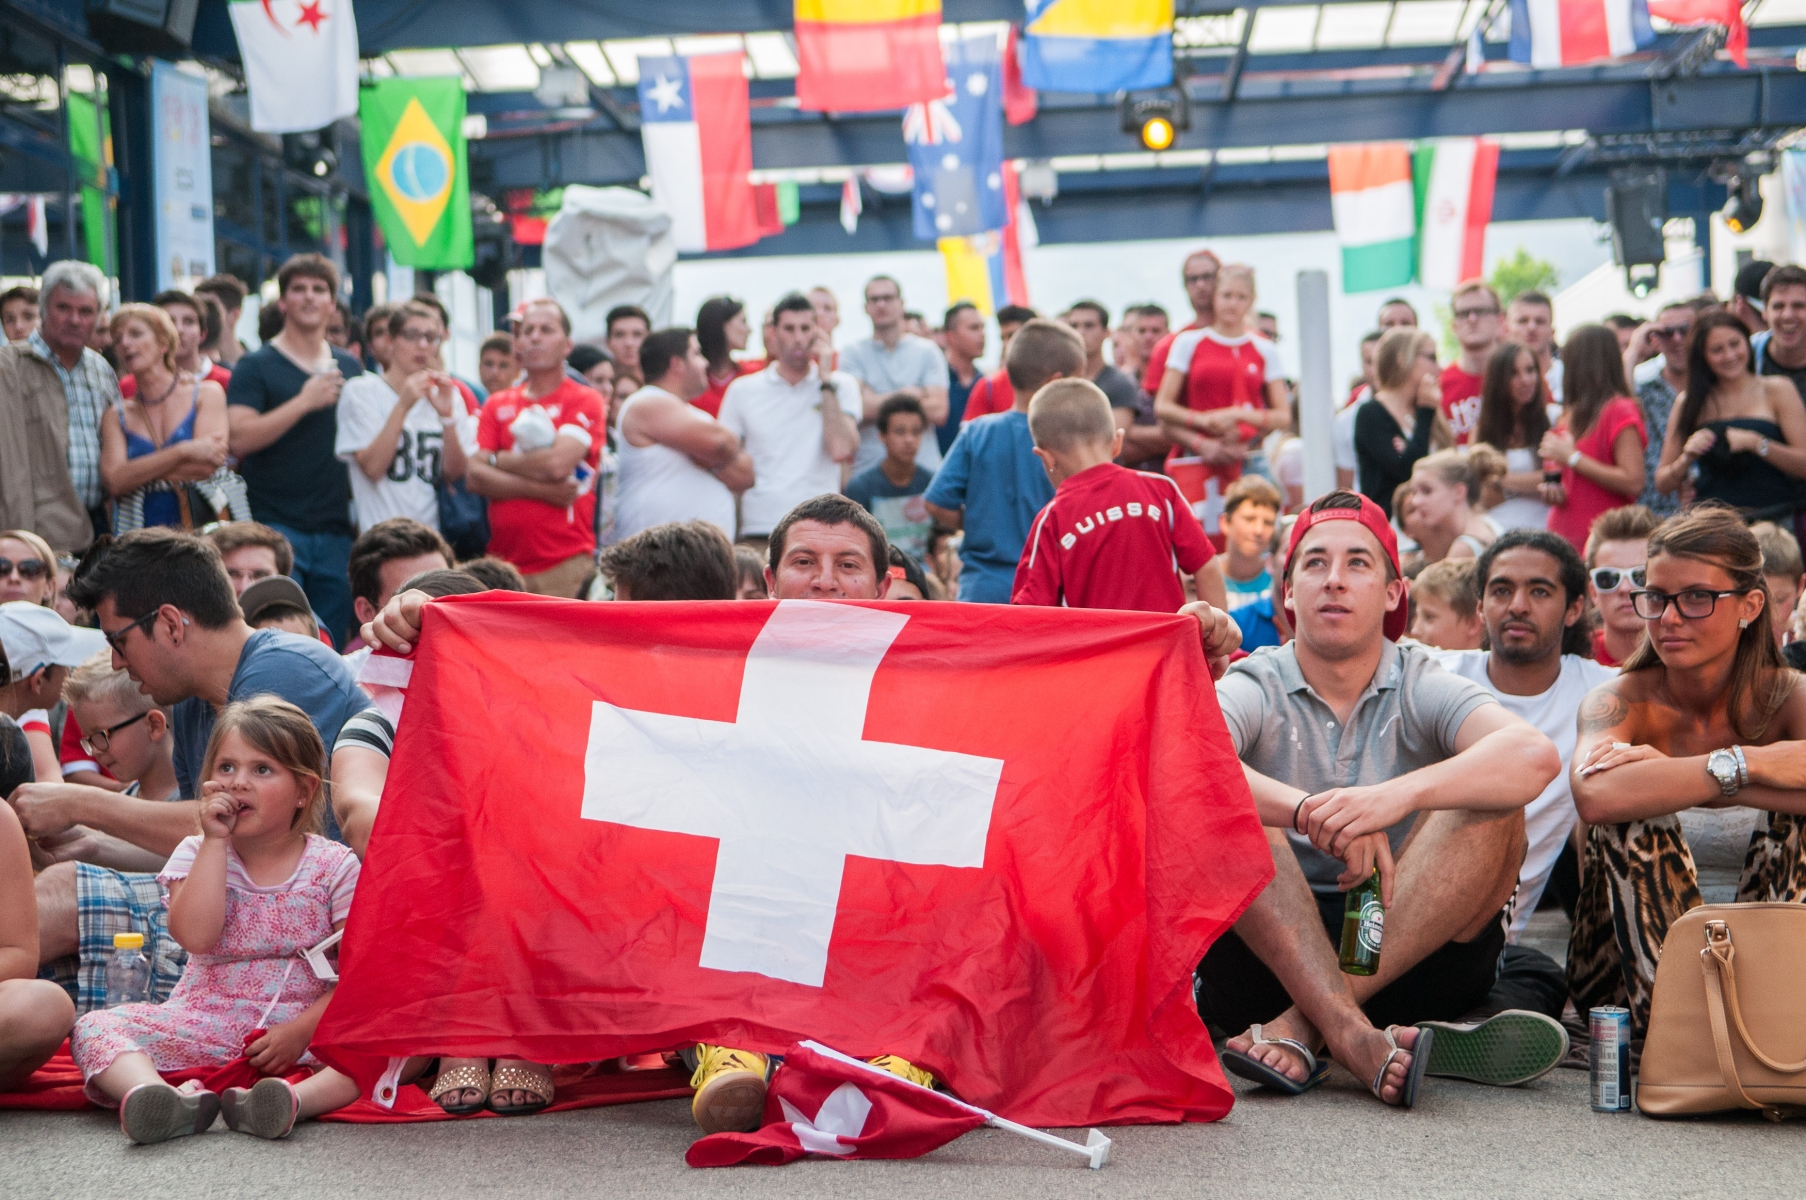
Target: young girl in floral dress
{"points": [[246, 896]]}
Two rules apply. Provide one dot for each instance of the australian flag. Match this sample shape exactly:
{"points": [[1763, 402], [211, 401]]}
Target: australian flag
{"points": [[956, 145]]}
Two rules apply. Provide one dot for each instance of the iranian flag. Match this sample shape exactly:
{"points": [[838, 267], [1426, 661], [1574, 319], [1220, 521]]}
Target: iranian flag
{"points": [[1454, 183], [1375, 209], [300, 61]]}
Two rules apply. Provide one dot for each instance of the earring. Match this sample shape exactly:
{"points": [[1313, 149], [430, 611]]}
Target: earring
{"points": [[1744, 623]]}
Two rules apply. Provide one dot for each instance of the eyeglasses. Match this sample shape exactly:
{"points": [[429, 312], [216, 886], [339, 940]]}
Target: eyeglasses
{"points": [[1474, 314], [1609, 579], [27, 568], [1209, 278], [116, 639], [1669, 333], [422, 339], [1694, 604], [97, 742]]}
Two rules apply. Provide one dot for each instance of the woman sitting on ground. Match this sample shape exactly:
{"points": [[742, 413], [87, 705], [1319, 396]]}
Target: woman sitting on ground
{"points": [[1691, 765], [1445, 495], [1600, 438], [1514, 416], [1747, 432]]}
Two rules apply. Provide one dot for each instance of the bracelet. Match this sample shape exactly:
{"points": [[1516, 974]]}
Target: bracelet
{"points": [[447, 422], [1743, 767], [1298, 810], [1574, 459]]}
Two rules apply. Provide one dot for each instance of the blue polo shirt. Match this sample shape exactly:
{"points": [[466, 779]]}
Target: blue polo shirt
{"points": [[992, 473]]}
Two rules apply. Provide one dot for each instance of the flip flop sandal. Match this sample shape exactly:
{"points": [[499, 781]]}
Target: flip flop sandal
{"points": [[267, 1109], [459, 1079], [1240, 1062], [520, 1079], [156, 1112], [1513, 1047], [1420, 1053]]}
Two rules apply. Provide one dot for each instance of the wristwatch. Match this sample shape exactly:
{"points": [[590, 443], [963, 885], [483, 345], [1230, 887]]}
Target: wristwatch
{"points": [[1721, 765]]}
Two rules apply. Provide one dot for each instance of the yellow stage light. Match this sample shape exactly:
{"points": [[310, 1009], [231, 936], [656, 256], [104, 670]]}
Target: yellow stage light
{"points": [[1157, 133]]}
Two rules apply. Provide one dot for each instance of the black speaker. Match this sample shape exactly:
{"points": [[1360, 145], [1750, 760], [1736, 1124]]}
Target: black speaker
{"points": [[1637, 203], [164, 28]]}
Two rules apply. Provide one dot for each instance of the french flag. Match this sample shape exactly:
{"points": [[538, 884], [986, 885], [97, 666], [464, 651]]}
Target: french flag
{"points": [[1563, 33], [696, 126]]}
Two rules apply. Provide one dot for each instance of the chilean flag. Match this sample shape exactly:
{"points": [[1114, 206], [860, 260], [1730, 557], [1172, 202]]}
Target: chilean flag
{"points": [[696, 126], [995, 843], [1563, 33]]}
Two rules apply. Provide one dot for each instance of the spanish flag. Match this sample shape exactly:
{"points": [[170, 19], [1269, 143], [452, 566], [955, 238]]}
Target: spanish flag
{"points": [[868, 55]]}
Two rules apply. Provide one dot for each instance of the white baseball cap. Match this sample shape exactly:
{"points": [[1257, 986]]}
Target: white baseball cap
{"points": [[34, 636]]}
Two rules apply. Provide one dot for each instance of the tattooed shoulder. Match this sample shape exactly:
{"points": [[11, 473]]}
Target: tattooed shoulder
{"points": [[1603, 709]]}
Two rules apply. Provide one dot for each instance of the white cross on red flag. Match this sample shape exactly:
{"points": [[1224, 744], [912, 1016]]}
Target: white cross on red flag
{"points": [[994, 841]]}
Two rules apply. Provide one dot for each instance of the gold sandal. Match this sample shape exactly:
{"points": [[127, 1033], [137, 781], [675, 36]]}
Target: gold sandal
{"points": [[458, 1079], [531, 1079]]}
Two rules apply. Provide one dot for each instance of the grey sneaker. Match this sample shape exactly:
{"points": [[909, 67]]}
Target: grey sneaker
{"points": [[1510, 1048], [266, 1109], [156, 1112]]}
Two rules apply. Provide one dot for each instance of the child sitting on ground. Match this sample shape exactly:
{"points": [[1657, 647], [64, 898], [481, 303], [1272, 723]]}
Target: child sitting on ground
{"points": [[1110, 537], [254, 889], [1250, 510], [1445, 606]]}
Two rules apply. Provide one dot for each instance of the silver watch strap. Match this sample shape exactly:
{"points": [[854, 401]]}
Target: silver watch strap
{"points": [[1743, 767]]}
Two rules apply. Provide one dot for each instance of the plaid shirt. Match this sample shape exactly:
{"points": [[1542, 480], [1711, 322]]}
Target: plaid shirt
{"points": [[89, 390]]}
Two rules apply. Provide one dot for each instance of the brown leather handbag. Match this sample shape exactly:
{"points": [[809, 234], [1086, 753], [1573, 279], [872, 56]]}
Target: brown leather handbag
{"points": [[1727, 1020]]}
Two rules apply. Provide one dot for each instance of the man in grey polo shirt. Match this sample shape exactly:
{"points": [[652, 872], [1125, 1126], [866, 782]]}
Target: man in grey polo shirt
{"points": [[1363, 754], [894, 363]]}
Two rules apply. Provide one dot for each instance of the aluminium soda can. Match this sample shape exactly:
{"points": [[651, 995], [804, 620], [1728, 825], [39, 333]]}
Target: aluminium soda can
{"points": [[1610, 1028]]}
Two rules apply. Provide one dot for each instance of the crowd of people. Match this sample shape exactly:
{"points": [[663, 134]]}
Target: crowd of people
{"points": [[1536, 650]]}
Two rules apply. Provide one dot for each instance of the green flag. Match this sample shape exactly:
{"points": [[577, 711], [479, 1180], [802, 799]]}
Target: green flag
{"points": [[89, 145], [415, 160]]}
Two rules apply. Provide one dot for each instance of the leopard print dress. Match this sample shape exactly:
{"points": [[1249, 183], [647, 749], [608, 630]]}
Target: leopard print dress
{"points": [[1638, 879]]}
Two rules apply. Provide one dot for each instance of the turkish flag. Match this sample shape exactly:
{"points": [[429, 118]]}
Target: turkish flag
{"points": [[824, 1103], [992, 840]]}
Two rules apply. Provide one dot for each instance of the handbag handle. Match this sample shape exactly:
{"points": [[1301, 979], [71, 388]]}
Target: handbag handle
{"points": [[1718, 946]]}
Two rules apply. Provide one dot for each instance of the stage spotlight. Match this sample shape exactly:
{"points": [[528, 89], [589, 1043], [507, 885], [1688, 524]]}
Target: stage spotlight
{"points": [[1744, 208], [1157, 121], [1156, 133]]}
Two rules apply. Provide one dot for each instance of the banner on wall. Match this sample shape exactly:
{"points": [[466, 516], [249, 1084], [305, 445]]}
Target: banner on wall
{"points": [[182, 171]]}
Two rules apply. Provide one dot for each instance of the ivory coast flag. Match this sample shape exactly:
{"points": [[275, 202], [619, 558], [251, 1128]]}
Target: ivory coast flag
{"points": [[300, 61], [1454, 182], [868, 55], [414, 158], [1375, 210]]}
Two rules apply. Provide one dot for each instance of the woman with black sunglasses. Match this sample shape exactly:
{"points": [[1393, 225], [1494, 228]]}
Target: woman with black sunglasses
{"points": [[27, 568], [1690, 766]]}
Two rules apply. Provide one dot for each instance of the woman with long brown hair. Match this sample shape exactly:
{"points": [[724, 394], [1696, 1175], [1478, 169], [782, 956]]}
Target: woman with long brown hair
{"points": [[1600, 438], [1690, 766], [1514, 416], [1746, 432], [1407, 397]]}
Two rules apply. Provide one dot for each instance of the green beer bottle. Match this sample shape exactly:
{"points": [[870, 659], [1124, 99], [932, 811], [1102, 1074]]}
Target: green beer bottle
{"points": [[1363, 927]]}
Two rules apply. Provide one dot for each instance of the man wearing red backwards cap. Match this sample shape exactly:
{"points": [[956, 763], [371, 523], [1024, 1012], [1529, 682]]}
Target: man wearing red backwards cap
{"points": [[1363, 753]]}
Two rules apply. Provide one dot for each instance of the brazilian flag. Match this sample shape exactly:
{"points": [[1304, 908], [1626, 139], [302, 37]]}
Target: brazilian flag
{"points": [[418, 172]]}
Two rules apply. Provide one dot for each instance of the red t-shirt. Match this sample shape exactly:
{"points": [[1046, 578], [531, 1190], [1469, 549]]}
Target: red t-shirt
{"points": [[1112, 538], [1156, 369], [710, 401], [71, 755], [128, 384], [532, 534], [1224, 372], [1461, 401], [1601, 655], [992, 394], [1586, 499]]}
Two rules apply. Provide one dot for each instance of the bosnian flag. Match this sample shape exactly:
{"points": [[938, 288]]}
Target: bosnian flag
{"points": [[1454, 179], [1375, 208], [696, 126], [1561, 33], [300, 61]]}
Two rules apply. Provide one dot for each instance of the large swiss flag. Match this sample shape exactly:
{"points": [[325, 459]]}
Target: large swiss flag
{"points": [[992, 840]]}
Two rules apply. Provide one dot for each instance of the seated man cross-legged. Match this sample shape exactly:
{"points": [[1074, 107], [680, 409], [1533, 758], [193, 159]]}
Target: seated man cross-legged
{"points": [[1364, 754]]}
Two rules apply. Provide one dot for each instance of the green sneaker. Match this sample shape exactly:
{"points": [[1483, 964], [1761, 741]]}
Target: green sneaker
{"points": [[1513, 1047]]}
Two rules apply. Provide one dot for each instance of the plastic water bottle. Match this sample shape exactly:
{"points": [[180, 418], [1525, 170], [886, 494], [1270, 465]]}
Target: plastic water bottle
{"points": [[128, 971]]}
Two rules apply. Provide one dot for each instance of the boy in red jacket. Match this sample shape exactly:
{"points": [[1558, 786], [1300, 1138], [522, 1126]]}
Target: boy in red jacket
{"points": [[1110, 537]]}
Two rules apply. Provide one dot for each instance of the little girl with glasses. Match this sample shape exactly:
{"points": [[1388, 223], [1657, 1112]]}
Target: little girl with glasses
{"points": [[250, 893]]}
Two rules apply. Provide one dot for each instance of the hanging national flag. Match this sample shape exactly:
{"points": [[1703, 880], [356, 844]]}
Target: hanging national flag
{"points": [[847, 821], [851, 205], [987, 269], [1453, 179], [415, 155], [696, 126], [36, 227], [300, 61], [867, 55], [1374, 205], [776, 206], [1020, 102], [1097, 45], [956, 146], [1561, 33], [1728, 13]]}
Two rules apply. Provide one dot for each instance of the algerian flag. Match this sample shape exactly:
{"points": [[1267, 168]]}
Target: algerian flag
{"points": [[1454, 182], [300, 61], [414, 158], [1375, 210]]}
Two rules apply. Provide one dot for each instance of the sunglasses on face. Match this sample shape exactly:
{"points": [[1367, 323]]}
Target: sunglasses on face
{"points": [[97, 742], [1694, 604], [1669, 333], [1609, 579], [27, 568]]}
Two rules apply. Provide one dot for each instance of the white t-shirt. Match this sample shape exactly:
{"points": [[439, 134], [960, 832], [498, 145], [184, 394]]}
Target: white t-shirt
{"points": [[1553, 377], [1550, 817], [1520, 512], [1341, 434], [655, 483], [410, 489], [779, 423]]}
